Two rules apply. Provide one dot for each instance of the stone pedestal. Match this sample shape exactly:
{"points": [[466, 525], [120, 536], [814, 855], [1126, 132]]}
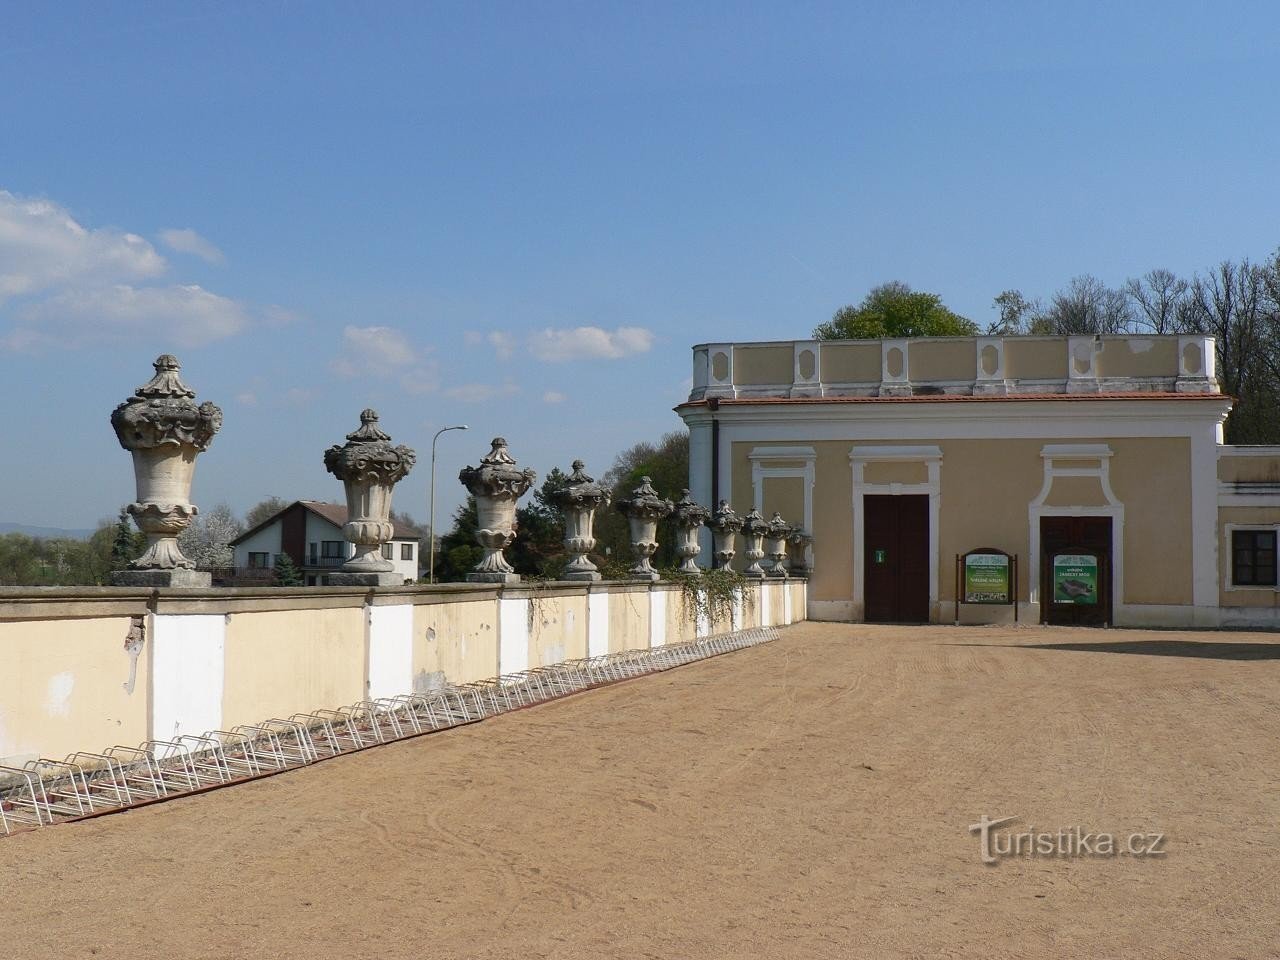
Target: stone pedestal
{"points": [[496, 484], [165, 430], [578, 501], [177, 577], [342, 578]]}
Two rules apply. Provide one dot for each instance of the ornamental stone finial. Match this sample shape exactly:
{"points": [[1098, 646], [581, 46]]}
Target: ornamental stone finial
{"points": [[369, 468], [643, 509], [776, 544], [799, 543], [754, 530], [689, 518], [164, 429], [496, 484], [578, 501], [724, 524]]}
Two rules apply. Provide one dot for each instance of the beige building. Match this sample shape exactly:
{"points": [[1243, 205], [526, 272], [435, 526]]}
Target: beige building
{"points": [[1096, 462]]}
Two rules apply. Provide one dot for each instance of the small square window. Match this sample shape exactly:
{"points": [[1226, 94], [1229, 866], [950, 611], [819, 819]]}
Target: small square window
{"points": [[258, 561], [406, 551], [387, 553], [1253, 558]]}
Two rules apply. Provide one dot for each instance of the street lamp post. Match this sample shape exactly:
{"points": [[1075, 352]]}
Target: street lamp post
{"points": [[431, 570]]}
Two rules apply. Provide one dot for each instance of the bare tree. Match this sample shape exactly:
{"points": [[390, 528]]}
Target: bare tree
{"points": [[1086, 306], [1162, 301]]}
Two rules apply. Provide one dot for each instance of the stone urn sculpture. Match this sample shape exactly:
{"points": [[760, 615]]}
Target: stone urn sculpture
{"points": [[578, 502], [775, 544], [754, 530], [369, 468], [689, 518], [798, 552], [496, 484], [165, 430], [724, 524], [643, 509]]}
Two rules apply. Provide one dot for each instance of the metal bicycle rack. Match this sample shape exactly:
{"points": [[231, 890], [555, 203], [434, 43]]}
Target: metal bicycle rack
{"points": [[43, 792]]}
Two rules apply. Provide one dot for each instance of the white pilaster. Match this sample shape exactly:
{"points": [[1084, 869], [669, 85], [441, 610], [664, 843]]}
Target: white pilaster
{"points": [[187, 671]]}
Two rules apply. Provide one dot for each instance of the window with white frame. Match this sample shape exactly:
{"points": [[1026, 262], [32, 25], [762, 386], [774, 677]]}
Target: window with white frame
{"points": [[406, 551], [1253, 557]]}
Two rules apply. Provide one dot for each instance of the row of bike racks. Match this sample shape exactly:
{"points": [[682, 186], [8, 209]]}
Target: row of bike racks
{"points": [[43, 792]]}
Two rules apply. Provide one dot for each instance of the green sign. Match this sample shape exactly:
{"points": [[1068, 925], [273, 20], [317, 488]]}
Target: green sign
{"points": [[1075, 578], [986, 578], [878, 556]]}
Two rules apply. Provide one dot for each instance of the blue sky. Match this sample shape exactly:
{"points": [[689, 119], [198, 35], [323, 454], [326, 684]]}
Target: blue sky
{"points": [[417, 207]]}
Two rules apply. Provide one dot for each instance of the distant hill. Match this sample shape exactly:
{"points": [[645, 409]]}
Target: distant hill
{"points": [[49, 533]]}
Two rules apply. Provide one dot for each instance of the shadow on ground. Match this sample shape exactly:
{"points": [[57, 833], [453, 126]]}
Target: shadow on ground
{"points": [[1203, 649]]}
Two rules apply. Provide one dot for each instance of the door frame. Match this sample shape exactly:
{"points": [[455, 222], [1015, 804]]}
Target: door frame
{"points": [[859, 457], [1101, 454]]}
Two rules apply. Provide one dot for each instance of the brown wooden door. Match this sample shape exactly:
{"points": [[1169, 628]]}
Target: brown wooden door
{"points": [[896, 558], [1071, 593]]}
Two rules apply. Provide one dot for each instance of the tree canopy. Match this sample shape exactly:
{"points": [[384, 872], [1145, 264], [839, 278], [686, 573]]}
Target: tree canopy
{"points": [[895, 310]]}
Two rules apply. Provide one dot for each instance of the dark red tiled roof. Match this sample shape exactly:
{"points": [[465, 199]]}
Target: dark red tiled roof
{"points": [[964, 398]]}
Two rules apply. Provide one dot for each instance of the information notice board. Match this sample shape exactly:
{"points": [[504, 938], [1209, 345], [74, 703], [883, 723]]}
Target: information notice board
{"points": [[987, 576]]}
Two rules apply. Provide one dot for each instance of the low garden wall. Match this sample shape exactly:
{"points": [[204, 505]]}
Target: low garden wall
{"points": [[86, 668]]}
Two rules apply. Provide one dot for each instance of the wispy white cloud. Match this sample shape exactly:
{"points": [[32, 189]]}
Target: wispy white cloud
{"points": [[481, 392], [43, 247], [187, 240], [423, 378], [554, 396], [274, 315], [558, 345], [187, 316], [63, 284], [247, 398], [372, 350], [503, 343]]}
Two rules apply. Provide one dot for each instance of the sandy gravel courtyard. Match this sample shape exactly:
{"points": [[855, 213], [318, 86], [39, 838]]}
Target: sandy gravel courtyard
{"points": [[807, 798]]}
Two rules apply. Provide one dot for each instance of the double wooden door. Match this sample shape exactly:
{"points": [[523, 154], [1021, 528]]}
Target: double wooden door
{"points": [[896, 558]]}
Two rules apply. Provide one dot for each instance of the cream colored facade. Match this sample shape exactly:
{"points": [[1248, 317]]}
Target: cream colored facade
{"points": [[1008, 438], [89, 668]]}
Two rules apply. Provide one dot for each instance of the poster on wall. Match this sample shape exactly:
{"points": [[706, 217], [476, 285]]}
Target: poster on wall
{"points": [[1075, 578], [986, 578]]}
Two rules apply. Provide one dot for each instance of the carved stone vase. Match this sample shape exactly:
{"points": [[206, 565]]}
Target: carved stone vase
{"points": [[643, 509], [798, 555], [165, 430], [578, 502], [775, 544], [754, 530], [496, 484], [724, 524], [369, 468], [689, 518]]}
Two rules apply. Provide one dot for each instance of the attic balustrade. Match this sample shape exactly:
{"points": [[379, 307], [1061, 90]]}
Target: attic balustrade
{"points": [[954, 366]]}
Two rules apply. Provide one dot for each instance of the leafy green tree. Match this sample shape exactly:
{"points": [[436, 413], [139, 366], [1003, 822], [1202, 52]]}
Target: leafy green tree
{"points": [[666, 464], [895, 310], [287, 572], [124, 542], [458, 552], [538, 550]]}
